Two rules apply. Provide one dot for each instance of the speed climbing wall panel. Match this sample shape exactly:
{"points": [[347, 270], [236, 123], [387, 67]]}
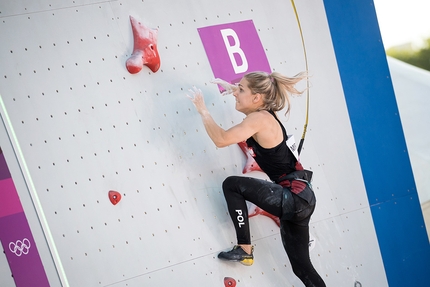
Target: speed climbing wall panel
{"points": [[82, 125]]}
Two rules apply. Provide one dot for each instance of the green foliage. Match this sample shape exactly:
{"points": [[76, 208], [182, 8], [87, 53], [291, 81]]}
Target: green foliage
{"points": [[417, 57]]}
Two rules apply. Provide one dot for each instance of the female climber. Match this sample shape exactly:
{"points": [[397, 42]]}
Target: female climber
{"points": [[259, 96]]}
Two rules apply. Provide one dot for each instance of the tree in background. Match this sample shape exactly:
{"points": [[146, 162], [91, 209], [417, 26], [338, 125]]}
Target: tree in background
{"points": [[407, 53]]}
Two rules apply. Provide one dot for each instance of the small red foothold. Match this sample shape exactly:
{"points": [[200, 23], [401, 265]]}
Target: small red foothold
{"points": [[229, 282], [114, 196]]}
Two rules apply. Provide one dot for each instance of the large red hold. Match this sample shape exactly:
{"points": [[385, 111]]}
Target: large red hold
{"points": [[251, 164], [145, 50]]}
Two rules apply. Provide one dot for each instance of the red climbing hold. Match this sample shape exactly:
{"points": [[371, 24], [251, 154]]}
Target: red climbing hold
{"points": [[145, 48], [114, 196], [259, 211], [251, 164], [229, 282]]}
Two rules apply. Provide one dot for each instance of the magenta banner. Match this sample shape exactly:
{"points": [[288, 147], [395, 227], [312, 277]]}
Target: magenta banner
{"points": [[234, 49], [16, 237]]}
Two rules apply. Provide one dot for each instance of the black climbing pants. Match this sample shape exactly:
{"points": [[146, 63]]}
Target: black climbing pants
{"points": [[293, 211]]}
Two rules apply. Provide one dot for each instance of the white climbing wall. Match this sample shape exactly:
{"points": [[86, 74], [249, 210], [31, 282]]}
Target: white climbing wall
{"points": [[86, 126]]}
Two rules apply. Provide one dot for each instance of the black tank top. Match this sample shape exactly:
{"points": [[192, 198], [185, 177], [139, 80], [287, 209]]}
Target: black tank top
{"points": [[276, 161]]}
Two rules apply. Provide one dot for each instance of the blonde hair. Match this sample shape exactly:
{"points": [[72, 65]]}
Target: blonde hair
{"points": [[275, 88]]}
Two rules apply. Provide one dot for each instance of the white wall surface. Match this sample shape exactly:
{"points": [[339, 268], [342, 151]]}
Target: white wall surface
{"points": [[412, 88]]}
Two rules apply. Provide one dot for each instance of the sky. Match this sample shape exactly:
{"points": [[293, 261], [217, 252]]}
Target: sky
{"points": [[403, 21]]}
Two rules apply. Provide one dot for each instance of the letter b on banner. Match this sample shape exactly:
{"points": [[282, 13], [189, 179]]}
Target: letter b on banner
{"points": [[234, 49]]}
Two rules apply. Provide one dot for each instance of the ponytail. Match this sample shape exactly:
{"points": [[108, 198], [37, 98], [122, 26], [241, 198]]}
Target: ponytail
{"points": [[275, 88]]}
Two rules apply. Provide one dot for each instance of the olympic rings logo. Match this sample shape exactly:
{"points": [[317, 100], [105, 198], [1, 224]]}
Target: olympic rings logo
{"points": [[20, 247]]}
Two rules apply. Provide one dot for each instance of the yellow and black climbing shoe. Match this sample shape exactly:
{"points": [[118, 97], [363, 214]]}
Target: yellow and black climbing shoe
{"points": [[239, 255]]}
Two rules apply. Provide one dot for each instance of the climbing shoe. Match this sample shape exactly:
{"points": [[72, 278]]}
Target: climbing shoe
{"points": [[239, 255]]}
